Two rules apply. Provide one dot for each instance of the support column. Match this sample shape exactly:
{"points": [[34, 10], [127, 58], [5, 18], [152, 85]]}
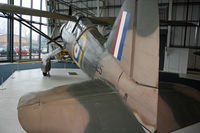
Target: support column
{"points": [[39, 52], [20, 36], [98, 12], [169, 19], [10, 45], [30, 46]]}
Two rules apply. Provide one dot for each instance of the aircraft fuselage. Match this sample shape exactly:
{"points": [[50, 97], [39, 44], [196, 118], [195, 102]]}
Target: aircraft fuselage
{"points": [[86, 46]]}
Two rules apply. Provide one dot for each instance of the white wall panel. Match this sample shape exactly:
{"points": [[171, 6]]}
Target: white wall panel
{"points": [[176, 60]]}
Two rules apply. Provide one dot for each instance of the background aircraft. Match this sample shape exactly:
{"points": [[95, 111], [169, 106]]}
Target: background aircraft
{"points": [[123, 95]]}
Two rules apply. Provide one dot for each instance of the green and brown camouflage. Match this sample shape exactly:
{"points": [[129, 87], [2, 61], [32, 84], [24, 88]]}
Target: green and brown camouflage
{"points": [[124, 95]]}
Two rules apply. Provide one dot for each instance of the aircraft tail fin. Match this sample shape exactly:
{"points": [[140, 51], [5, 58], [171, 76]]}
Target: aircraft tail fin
{"points": [[134, 40]]}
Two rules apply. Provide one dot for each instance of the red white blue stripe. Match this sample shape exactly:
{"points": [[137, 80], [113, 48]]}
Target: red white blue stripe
{"points": [[120, 34]]}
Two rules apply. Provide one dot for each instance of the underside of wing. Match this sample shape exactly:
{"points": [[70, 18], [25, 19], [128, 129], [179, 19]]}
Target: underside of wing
{"points": [[88, 107]]}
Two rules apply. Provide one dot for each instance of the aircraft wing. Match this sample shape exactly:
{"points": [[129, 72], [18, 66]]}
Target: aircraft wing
{"points": [[90, 107], [103, 20], [5, 8]]}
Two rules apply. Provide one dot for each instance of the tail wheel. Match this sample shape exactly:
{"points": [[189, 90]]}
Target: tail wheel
{"points": [[44, 74]]}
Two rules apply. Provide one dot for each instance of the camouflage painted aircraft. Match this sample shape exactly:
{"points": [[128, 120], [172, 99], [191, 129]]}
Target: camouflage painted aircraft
{"points": [[123, 95]]}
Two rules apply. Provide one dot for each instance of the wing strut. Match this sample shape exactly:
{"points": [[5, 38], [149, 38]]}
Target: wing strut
{"points": [[32, 27]]}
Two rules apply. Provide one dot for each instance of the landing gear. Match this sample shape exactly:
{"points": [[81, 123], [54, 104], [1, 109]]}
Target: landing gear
{"points": [[46, 61], [46, 67], [44, 74]]}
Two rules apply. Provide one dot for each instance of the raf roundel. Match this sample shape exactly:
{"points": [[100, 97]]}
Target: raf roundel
{"points": [[78, 49]]}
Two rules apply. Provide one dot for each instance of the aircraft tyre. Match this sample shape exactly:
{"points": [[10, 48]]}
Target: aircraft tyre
{"points": [[44, 74]]}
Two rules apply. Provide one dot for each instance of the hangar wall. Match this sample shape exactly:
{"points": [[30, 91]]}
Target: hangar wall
{"points": [[181, 35], [107, 8], [184, 34], [18, 42]]}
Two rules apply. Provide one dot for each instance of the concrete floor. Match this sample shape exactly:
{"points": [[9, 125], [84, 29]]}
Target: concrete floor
{"points": [[22, 82]]}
